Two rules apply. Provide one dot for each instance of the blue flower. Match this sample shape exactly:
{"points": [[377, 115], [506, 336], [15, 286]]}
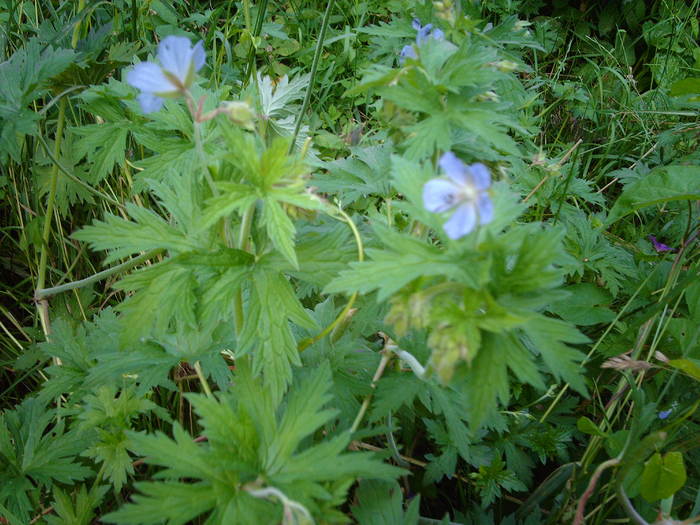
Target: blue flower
{"points": [[408, 52], [424, 33], [465, 190], [179, 63], [665, 413]]}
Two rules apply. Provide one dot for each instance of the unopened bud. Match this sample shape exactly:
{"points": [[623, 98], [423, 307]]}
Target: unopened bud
{"points": [[506, 66], [521, 24], [241, 113], [487, 96]]}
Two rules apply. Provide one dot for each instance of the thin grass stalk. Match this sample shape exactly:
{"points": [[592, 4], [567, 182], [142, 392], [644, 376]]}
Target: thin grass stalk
{"points": [[312, 78], [46, 234]]}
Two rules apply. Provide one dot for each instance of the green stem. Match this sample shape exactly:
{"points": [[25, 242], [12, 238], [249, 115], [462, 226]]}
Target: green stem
{"points": [[202, 379], [256, 33], [43, 293], [314, 67], [386, 357], [76, 29], [242, 244], [46, 234], [304, 344], [200, 154]]}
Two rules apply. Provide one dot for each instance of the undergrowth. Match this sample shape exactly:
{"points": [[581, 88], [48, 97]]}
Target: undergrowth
{"points": [[349, 261]]}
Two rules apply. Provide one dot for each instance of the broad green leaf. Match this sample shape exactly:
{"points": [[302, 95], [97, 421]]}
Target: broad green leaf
{"points": [[687, 86], [663, 476], [689, 366], [663, 184]]}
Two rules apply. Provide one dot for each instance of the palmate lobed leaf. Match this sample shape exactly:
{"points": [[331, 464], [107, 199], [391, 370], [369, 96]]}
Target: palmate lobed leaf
{"points": [[103, 144], [32, 454], [122, 237], [662, 184], [253, 438], [171, 502]]}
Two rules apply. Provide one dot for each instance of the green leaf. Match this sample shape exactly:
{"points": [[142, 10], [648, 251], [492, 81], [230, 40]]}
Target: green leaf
{"points": [[23, 78], [587, 426], [585, 305], [660, 185], [234, 197], [404, 259], [686, 86], [689, 366], [280, 229], [104, 145], [551, 337], [266, 331], [253, 441], [381, 503], [663, 476], [486, 382], [82, 512], [34, 453], [122, 237], [178, 503]]}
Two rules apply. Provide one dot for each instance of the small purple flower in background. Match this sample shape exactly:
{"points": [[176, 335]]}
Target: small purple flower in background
{"points": [[659, 246], [465, 190], [665, 413], [179, 63], [424, 33]]}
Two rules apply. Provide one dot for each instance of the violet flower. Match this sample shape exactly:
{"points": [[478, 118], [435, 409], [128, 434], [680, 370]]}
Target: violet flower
{"points": [[465, 190], [424, 33], [659, 246], [179, 62]]}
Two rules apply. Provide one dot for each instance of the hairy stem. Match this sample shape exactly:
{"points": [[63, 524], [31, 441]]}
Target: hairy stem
{"points": [[42, 293]]}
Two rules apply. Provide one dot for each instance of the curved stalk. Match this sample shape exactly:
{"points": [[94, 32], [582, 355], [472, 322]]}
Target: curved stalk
{"points": [[304, 344], [43, 293]]}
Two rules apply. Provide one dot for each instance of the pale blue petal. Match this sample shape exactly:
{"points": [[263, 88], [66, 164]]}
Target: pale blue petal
{"points": [[416, 24], [148, 77], [199, 56], [423, 33], [481, 176], [175, 55], [453, 167], [462, 221], [484, 206], [149, 102], [439, 195], [408, 52], [438, 34]]}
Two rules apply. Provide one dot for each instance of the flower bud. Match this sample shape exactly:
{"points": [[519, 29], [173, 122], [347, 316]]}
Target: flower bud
{"points": [[241, 113]]}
